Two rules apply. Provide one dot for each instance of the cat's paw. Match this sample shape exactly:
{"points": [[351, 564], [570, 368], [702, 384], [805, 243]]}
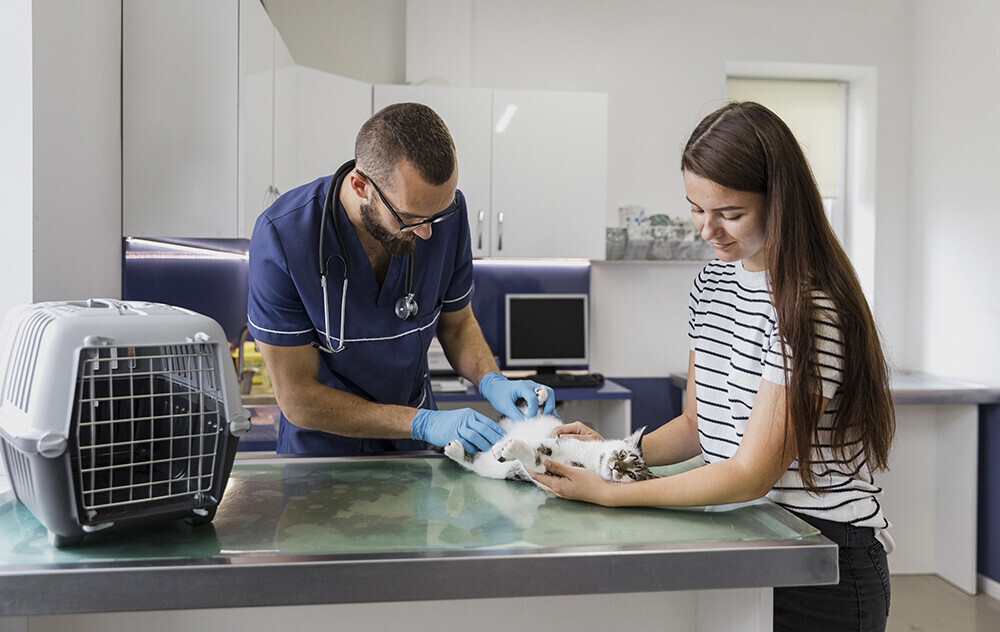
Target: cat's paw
{"points": [[513, 450], [455, 451], [543, 395], [498, 448]]}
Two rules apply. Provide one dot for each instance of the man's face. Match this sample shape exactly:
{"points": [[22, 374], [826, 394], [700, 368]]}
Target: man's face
{"points": [[395, 243], [413, 200]]}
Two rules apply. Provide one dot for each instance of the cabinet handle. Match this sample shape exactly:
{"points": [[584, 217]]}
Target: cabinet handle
{"points": [[500, 231], [482, 216]]}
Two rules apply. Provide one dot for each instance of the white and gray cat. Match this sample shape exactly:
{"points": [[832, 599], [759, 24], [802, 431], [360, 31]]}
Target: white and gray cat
{"points": [[529, 443]]}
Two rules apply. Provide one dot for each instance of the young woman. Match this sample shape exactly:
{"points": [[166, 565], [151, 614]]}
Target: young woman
{"points": [[788, 391]]}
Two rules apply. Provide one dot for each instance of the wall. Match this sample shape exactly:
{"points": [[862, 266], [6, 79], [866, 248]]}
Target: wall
{"points": [[61, 165], [16, 158], [956, 192], [956, 213]]}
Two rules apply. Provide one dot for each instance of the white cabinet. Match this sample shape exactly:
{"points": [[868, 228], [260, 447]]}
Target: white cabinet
{"points": [[533, 166], [180, 102], [218, 120], [319, 115], [550, 159], [467, 112], [259, 43]]}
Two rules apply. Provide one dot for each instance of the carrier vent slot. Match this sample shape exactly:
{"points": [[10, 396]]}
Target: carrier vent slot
{"points": [[19, 469], [146, 425], [25, 344]]}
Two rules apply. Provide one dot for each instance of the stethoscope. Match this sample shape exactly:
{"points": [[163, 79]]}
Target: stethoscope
{"points": [[406, 306]]}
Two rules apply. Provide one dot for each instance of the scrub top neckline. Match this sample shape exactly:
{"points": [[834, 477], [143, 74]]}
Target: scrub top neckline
{"points": [[391, 288]]}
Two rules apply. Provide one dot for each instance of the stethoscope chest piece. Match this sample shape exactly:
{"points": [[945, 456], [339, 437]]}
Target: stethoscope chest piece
{"points": [[406, 306]]}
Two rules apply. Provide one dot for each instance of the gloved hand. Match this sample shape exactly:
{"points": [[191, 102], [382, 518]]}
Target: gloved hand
{"points": [[475, 431], [503, 394]]}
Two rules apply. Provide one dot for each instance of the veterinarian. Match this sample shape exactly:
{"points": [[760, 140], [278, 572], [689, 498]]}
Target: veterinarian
{"points": [[351, 276], [788, 390]]}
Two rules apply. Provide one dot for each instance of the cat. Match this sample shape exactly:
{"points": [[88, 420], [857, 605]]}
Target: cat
{"points": [[529, 443]]}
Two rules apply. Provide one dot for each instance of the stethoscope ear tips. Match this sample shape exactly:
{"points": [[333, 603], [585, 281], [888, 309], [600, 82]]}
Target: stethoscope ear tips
{"points": [[406, 306]]}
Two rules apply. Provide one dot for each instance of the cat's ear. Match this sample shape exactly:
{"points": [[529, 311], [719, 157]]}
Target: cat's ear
{"points": [[635, 439]]}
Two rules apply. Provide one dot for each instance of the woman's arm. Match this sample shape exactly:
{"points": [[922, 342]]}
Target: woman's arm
{"points": [[673, 442], [676, 440], [766, 451]]}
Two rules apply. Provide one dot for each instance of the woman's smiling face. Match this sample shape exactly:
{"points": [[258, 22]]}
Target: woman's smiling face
{"points": [[732, 221]]}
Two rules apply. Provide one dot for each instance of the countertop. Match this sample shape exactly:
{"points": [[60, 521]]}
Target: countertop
{"points": [[919, 388], [297, 531]]}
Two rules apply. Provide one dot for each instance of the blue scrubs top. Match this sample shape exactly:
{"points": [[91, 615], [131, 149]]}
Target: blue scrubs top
{"points": [[385, 359]]}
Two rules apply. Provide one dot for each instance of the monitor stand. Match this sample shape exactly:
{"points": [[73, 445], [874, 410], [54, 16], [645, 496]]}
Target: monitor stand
{"points": [[545, 370]]}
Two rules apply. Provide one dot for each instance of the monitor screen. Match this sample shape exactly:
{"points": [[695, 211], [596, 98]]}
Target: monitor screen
{"points": [[547, 330]]}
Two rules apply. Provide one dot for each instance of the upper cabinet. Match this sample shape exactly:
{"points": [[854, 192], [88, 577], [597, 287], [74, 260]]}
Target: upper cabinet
{"points": [[218, 120], [180, 129], [260, 44], [317, 120], [550, 163], [532, 165], [467, 113]]}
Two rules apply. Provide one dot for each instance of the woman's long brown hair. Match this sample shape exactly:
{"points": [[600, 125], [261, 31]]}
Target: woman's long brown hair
{"points": [[745, 146]]}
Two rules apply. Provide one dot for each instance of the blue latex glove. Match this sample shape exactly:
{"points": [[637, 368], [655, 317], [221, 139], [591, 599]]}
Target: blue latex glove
{"points": [[475, 431], [503, 394]]}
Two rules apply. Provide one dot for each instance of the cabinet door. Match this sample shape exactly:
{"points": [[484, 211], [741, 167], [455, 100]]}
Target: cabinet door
{"points": [[285, 176], [180, 98], [549, 174], [256, 114], [329, 111], [467, 113]]}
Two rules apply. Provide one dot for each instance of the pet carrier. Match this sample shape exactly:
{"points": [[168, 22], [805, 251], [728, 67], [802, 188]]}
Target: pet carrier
{"points": [[115, 413]]}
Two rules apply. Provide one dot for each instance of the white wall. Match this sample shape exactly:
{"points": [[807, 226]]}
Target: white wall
{"points": [[16, 157], [663, 65], [60, 169], [956, 187]]}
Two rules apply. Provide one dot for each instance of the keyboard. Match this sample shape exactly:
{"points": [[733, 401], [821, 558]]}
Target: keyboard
{"points": [[568, 380]]}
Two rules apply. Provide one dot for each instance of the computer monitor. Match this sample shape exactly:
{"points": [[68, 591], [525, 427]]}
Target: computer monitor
{"points": [[546, 331]]}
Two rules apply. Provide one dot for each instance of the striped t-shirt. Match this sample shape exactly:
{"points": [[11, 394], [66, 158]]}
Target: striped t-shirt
{"points": [[735, 340]]}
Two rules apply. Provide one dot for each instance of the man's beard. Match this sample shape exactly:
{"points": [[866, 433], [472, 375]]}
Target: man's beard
{"points": [[398, 245]]}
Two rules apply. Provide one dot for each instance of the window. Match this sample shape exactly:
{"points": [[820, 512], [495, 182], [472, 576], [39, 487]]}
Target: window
{"points": [[816, 112]]}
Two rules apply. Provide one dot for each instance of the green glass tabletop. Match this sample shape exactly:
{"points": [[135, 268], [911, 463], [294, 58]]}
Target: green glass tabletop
{"points": [[295, 507]]}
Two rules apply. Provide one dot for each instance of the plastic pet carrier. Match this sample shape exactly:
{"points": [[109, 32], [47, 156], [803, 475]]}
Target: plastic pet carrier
{"points": [[116, 413]]}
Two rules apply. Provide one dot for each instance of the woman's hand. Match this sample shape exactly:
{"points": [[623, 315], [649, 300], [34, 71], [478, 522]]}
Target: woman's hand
{"points": [[574, 483], [577, 430]]}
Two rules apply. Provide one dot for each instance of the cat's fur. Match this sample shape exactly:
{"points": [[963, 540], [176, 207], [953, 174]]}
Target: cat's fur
{"points": [[528, 444]]}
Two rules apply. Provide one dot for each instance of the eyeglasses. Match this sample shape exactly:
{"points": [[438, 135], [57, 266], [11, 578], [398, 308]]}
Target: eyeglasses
{"points": [[403, 226]]}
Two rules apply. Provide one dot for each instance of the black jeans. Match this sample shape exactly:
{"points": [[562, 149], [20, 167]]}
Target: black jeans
{"points": [[859, 603]]}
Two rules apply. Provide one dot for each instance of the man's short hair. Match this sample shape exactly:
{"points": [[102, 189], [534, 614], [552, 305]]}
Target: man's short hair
{"points": [[405, 131]]}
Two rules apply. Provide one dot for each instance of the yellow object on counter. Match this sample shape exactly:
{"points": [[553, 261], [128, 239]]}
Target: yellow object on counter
{"points": [[253, 371]]}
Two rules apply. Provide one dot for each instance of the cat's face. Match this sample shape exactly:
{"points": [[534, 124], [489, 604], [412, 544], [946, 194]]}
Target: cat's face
{"points": [[623, 463]]}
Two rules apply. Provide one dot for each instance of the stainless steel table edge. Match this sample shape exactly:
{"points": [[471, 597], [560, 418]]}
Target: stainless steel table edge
{"points": [[287, 580]]}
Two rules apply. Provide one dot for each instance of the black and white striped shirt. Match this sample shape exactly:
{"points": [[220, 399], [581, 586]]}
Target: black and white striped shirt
{"points": [[735, 340]]}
